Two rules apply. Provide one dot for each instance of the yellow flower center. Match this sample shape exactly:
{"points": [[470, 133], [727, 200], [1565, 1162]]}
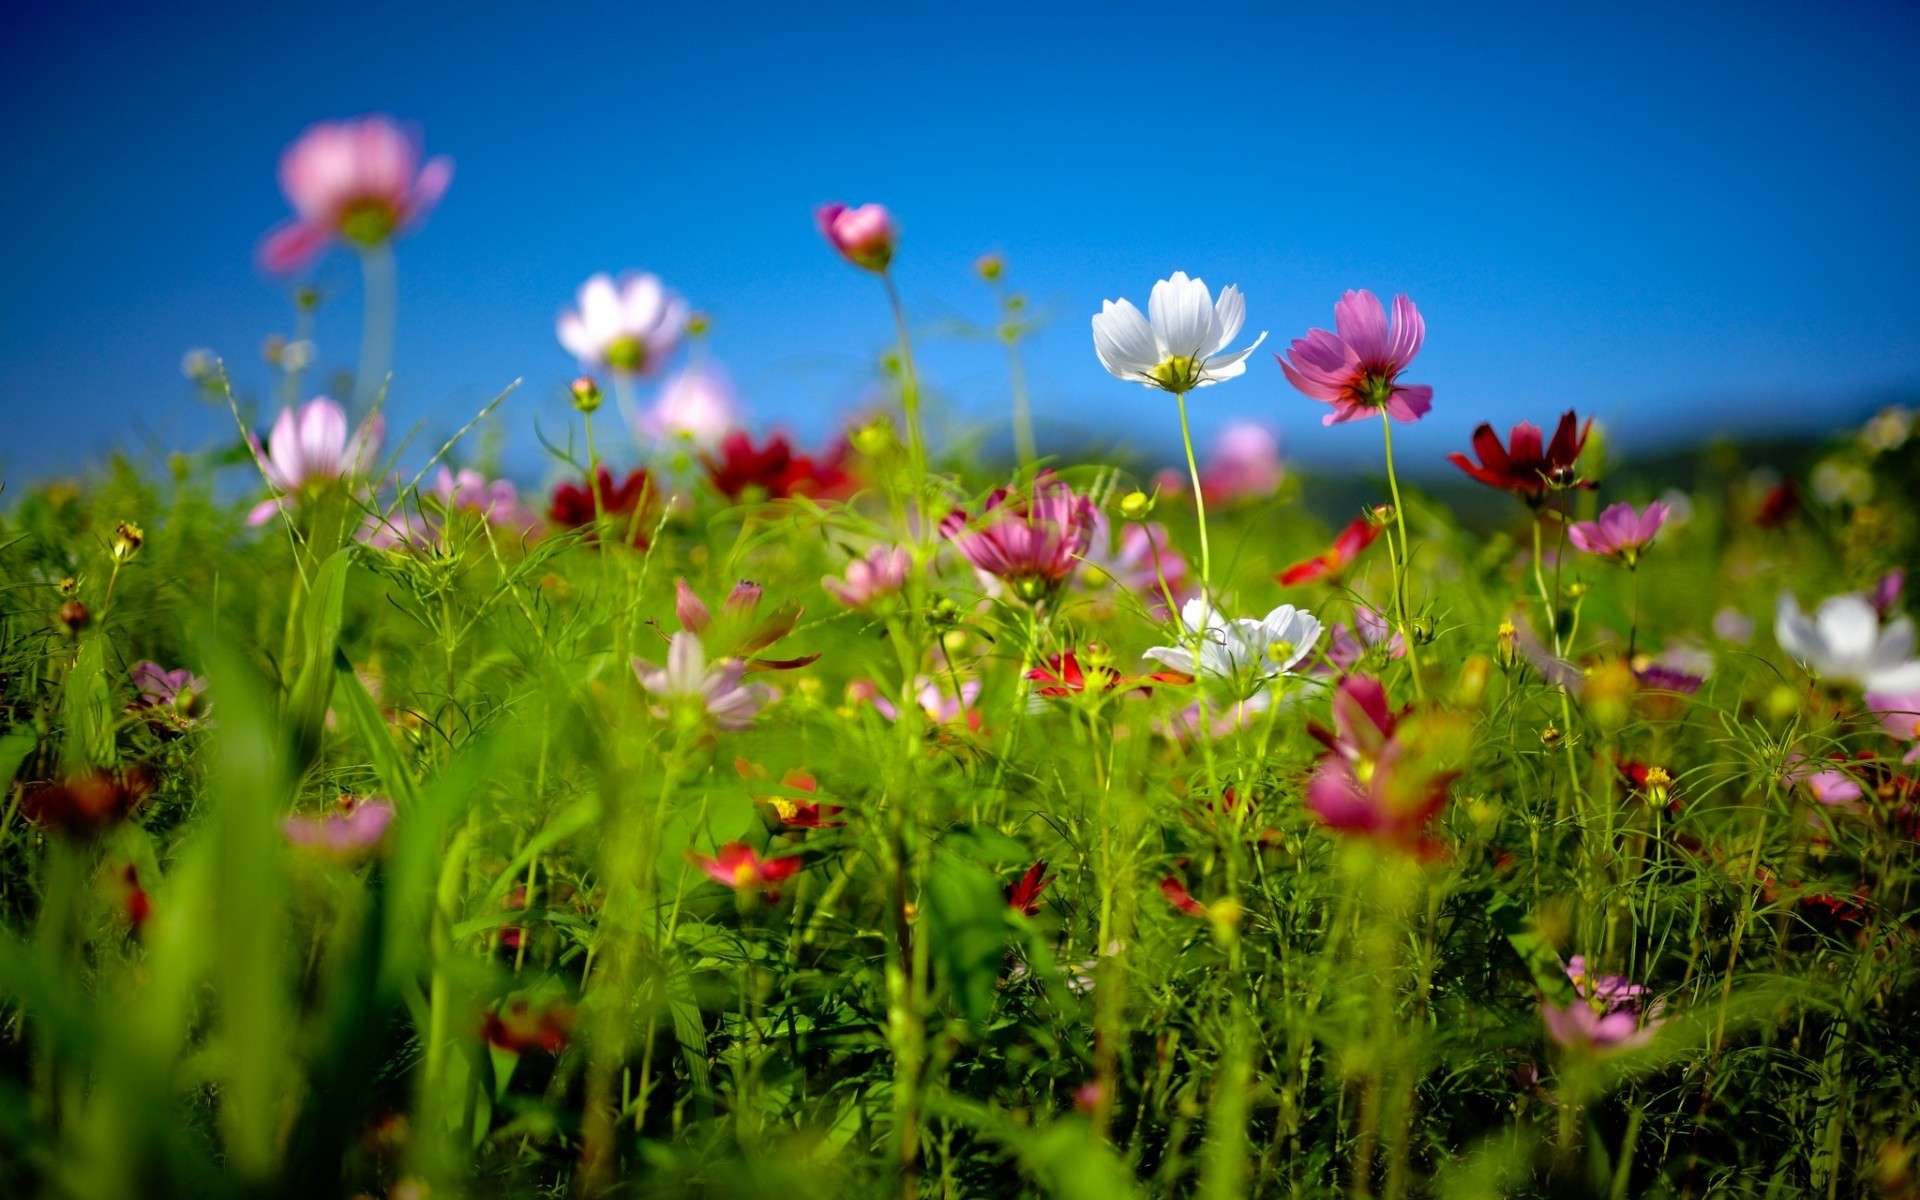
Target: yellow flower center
{"points": [[1178, 374]]}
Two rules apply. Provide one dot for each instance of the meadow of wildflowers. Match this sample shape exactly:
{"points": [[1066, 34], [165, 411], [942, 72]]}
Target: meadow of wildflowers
{"points": [[858, 819]]}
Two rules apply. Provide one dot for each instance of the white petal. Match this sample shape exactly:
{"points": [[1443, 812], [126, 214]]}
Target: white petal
{"points": [[1849, 627], [1903, 678], [641, 303], [1173, 656], [1895, 645], [1230, 313], [1123, 340], [1798, 635], [1228, 366], [572, 332], [600, 308], [1182, 314]]}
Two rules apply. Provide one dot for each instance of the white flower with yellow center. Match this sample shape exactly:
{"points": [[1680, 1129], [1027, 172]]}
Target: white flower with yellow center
{"points": [[1181, 343]]}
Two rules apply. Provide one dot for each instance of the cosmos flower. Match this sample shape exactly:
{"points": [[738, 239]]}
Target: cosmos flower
{"points": [[631, 328], [1828, 785], [1245, 464], [1030, 540], [87, 803], [353, 831], [1844, 642], [800, 814], [1886, 592], [1241, 649], [626, 505], [718, 691], [1345, 648], [1182, 344], [516, 1026], [1385, 775], [775, 471], [1580, 1026], [697, 406], [737, 631], [495, 501], [941, 706], [869, 580], [1137, 561], [360, 181], [1330, 563], [864, 236], [736, 866], [1899, 715], [1620, 533], [1023, 895], [1063, 674], [179, 693], [1524, 466], [1178, 896], [1357, 368], [310, 448]]}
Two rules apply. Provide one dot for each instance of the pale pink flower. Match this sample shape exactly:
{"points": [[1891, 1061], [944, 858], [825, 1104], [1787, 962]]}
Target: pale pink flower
{"points": [[1620, 532], [311, 448], [631, 327], [1245, 464], [1357, 368], [1580, 1026], [864, 236], [940, 705], [1137, 561], [495, 501], [882, 573], [354, 831], [697, 406], [718, 690], [359, 180], [1899, 716]]}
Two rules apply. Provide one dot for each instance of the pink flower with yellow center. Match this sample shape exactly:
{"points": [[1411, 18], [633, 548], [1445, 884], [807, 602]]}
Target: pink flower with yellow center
{"points": [[736, 866], [1621, 532], [360, 181], [630, 328]]}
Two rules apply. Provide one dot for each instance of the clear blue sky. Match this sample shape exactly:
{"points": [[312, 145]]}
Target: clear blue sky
{"points": [[1679, 216]]}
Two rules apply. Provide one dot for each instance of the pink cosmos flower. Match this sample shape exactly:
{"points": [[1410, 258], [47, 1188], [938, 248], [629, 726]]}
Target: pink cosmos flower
{"points": [[698, 406], [1885, 596], [631, 328], [1031, 541], [358, 180], [311, 448], [354, 831], [717, 690], [1136, 562], [882, 573], [1245, 464], [1357, 369], [864, 236], [1899, 716], [1620, 533], [736, 866], [1830, 786], [1385, 776], [161, 688], [1345, 649], [740, 632], [941, 706], [1580, 1026], [1614, 991], [495, 501]]}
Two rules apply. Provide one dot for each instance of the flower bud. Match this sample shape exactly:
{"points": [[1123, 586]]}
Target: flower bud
{"points": [[1578, 589], [1422, 628], [698, 324], [864, 236], [74, 616], [1380, 515], [69, 586], [989, 267], [1550, 736], [586, 394], [1506, 645], [875, 438], [126, 541], [1658, 785], [1135, 506]]}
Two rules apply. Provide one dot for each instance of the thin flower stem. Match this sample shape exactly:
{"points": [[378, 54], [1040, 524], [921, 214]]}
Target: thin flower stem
{"points": [[1199, 505], [1404, 563], [1633, 630], [909, 394], [377, 320], [1023, 444]]}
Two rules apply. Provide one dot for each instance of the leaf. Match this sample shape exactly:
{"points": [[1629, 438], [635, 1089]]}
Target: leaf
{"points": [[966, 917], [313, 686]]}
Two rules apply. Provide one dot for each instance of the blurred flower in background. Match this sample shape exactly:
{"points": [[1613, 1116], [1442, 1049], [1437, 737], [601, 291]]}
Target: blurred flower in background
{"points": [[631, 328], [697, 405], [360, 181]]}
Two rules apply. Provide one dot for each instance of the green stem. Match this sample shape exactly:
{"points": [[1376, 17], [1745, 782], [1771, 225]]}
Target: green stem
{"points": [[1405, 562], [909, 394], [1200, 508], [377, 321]]}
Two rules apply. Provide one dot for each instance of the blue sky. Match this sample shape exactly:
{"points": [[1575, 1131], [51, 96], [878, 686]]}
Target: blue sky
{"points": [[1680, 217]]}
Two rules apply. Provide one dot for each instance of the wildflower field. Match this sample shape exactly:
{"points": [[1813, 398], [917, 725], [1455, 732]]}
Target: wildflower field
{"points": [[733, 817]]}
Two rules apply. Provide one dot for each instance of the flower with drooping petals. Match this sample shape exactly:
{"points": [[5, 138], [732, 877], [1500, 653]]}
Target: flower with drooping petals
{"points": [[353, 831], [736, 866], [1178, 896], [697, 406], [864, 236], [1844, 642], [309, 449], [631, 327], [359, 180], [1524, 466], [1357, 368], [871, 579], [1356, 537], [742, 471], [86, 804], [1181, 344], [1620, 533], [716, 691], [1245, 650], [1029, 540], [1245, 464], [1023, 895], [626, 506], [736, 631]]}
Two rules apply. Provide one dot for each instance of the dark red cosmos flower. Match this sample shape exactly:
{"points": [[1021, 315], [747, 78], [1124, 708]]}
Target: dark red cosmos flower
{"points": [[1779, 506], [1023, 895], [518, 1027], [1356, 537], [626, 506], [85, 804], [1523, 466], [1178, 896], [776, 470]]}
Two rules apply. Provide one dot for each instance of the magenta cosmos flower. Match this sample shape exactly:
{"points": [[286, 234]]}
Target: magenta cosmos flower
{"points": [[1030, 541], [1357, 368], [864, 236], [359, 180], [1620, 532], [311, 448], [736, 866]]}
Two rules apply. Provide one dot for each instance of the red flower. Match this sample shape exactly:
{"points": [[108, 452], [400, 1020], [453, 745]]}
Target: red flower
{"points": [[1523, 466], [1062, 675], [517, 1028], [1178, 895], [1023, 896], [1356, 537], [86, 804], [736, 866], [626, 506], [776, 471], [802, 814]]}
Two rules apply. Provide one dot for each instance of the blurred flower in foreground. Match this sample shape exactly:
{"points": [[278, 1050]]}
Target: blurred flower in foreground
{"points": [[517, 1027], [736, 866], [1386, 774], [1732, 625], [1524, 466], [89, 802], [1030, 540], [1607, 1016], [696, 406], [1827, 784], [1178, 896], [1183, 346], [1023, 895], [627, 507], [631, 328], [864, 236], [718, 691], [1357, 368], [880, 574], [1620, 533], [1899, 715], [359, 180], [1330, 563], [1243, 649], [1886, 593], [311, 448], [776, 471], [1245, 464], [1843, 642], [356, 829]]}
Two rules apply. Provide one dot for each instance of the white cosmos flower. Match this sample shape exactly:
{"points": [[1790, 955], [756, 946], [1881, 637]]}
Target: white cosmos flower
{"points": [[631, 327], [1184, 345], [1242, 648], [1843, 642]]}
